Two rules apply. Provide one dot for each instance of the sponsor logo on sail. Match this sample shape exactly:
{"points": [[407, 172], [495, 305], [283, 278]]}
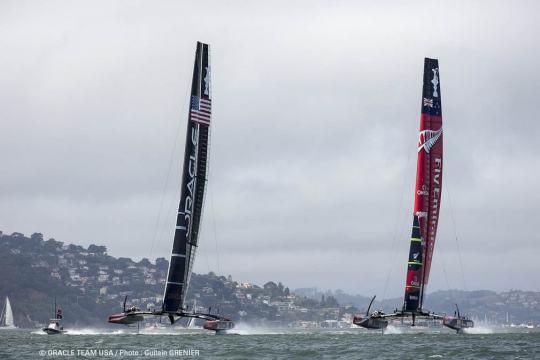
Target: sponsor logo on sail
{"points": [[207, 81], [192, 166], [435, 81], [428, 138], [428, 102], [433, 210], [434, 215]]}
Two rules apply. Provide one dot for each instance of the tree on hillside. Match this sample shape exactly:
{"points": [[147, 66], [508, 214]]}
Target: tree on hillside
{"points": [[330, 301], [145, 262], [270, 286], [162, 263], [37, 236], [98, 250]]}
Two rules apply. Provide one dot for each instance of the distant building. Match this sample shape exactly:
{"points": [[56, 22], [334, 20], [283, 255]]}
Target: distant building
{"points": [[245, 285], [149, 281]]}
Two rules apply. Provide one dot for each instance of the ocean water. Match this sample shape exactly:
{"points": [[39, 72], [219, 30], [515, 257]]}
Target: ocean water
{"points": [[257, 343]]}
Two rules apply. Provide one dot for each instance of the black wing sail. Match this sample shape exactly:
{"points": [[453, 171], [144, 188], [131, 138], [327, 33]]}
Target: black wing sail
{"points": [[193, 185]]}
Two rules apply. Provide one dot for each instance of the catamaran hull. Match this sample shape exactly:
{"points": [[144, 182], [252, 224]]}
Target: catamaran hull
{"points": [[457, 324], [125, 319], [213, 322], [369, 322], [219, 326]]}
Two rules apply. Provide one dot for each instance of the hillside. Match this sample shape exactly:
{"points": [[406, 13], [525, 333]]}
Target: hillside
{"points": [[89, 285]]}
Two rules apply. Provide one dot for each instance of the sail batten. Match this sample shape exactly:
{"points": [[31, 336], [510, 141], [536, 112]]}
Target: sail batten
{"points": [[194, 176], [427, 197]]}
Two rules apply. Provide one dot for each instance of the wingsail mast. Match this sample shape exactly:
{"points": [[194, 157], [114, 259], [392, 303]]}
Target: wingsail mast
{"points": [[193, 185], [427, 196]]}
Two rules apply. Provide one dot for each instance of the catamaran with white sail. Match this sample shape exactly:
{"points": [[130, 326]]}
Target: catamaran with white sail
{"points": [[188, 217], [427, 202]]}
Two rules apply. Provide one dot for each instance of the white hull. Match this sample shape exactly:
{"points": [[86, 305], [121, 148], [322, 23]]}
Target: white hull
{"points": [[54, 327]]}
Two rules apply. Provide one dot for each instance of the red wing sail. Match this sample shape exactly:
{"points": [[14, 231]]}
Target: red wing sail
{"points": [[427, 197]]}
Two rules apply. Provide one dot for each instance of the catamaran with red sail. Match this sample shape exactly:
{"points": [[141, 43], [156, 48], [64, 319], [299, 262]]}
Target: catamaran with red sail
{"points": [[188, 217], [427, 203]]}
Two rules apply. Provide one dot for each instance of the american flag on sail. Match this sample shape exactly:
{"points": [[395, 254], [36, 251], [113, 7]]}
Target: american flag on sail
{"points": [[201, 110]]}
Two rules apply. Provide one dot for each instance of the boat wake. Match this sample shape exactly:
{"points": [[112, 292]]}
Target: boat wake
{"points": [[93, 331], [174, 331], [392, 330], [86, 331], [478, 330], [244, 329]]}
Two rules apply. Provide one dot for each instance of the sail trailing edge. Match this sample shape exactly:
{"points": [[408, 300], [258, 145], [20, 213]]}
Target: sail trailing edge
{"points": [[193, 186], [427, 197]]}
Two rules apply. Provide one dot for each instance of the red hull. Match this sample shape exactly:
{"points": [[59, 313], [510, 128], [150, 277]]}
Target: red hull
{"points": [[218, 325], [125, 319]]}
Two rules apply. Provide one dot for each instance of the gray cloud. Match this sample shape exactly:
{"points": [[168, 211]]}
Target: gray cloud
{"points": [[316, 109]]}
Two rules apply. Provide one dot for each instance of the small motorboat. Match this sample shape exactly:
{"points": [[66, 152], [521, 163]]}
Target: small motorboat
{"points": [[55, 326]]}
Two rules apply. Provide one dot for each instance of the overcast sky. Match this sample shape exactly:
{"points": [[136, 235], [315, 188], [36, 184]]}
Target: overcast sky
{"points": [[313, 156]]}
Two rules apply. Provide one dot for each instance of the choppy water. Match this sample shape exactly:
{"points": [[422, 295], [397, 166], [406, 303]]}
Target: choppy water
{"points": [[253, 343]]}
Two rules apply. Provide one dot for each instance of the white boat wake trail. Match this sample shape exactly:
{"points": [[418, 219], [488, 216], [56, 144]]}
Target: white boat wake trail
{"points": [[244, 329], [392, 330], [478, 330], [87, 331]]}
